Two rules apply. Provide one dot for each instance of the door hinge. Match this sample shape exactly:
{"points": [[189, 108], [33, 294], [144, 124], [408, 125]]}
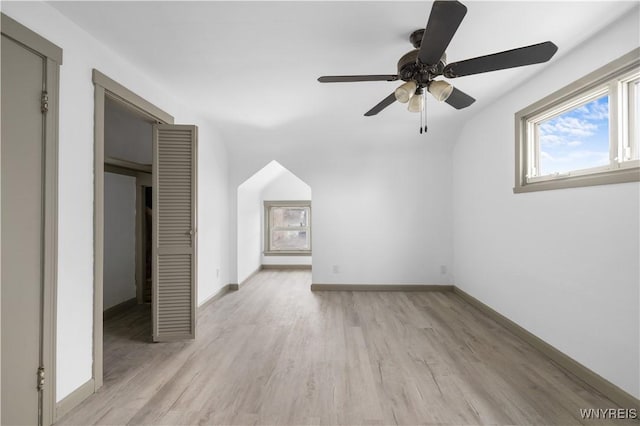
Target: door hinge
{"points": [[44, 102], [40, 379]]}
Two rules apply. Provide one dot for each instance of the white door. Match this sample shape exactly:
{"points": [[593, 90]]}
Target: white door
{"points": [[174, 232], [22, 199]]}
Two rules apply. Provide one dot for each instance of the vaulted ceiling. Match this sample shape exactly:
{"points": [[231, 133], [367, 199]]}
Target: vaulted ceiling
{"points": [[255, 64]]}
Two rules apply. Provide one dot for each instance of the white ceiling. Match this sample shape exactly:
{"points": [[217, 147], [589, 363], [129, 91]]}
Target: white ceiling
{"points": [[256, 63]]}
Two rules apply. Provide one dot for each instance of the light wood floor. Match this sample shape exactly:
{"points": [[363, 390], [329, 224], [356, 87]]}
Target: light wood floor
{"points": [[276, 353]]}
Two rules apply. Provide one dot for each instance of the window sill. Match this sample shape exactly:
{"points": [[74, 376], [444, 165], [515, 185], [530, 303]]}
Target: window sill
{"points": [[603, 178], [287, 253]]}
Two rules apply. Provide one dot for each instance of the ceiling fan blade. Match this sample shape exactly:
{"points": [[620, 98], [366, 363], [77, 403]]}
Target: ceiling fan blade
{"points": [[352, 78], [528, 55], [458, 99], [444, 20], [382, 105]]}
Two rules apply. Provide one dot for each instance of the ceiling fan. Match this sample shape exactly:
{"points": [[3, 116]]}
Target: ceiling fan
{"points": [[420, 67]]}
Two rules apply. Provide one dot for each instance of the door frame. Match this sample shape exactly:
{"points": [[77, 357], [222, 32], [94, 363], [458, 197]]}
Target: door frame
{"points": [[52, 56], [106, 87]]}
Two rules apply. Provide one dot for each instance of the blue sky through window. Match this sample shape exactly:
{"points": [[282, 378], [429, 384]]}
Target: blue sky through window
{"points": [[577, 139]]}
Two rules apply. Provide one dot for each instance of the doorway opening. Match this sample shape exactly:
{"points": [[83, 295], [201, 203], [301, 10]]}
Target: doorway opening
{"points": [[274, 222], [123, 182], [127, 278]]}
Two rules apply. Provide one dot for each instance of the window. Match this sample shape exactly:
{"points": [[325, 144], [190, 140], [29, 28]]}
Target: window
{"points": [[584, 134], [287, 228]]}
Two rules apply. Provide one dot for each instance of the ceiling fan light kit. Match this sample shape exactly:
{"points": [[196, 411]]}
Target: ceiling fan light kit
{"points": [[441, 90], [416, 103], [419, 67], [405, 91]]}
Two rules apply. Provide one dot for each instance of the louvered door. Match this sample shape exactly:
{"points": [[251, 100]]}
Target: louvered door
{"points": [[174, 232]]}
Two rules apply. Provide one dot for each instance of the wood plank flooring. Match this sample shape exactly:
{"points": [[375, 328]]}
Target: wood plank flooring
{"points": [[276, 353]]}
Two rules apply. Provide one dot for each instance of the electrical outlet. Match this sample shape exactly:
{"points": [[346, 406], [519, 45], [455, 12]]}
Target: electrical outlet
{"points": [[443, 269], [336, 269], [218, 273]]}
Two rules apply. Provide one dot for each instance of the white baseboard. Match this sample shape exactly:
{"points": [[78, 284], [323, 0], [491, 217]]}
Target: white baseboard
{"points": [[380, 287], [236, 286], [296, 267], [217, 295]]}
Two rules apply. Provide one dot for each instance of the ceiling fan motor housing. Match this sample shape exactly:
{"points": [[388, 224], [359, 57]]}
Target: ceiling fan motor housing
{"points": [[410, 68]]}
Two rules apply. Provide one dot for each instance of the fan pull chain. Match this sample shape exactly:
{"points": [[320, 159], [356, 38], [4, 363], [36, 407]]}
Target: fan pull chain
{"points": [[424, 113]]}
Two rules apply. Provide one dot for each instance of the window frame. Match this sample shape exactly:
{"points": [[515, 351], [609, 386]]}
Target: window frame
{"points": [[614, 79], [268, 204]]}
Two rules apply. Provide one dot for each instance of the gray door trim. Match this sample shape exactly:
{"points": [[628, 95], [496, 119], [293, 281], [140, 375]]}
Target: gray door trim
{"points": [[35, 42], [130, 100], [107, 87], [53, 56]]}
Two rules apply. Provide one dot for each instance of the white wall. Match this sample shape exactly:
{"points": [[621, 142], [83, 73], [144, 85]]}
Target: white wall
{"points": [[213, 211], [285, 186], [381, 202], [248, 218], [119, 239], [271, 182], [563, 264], [82, 53], [249, 241]]}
